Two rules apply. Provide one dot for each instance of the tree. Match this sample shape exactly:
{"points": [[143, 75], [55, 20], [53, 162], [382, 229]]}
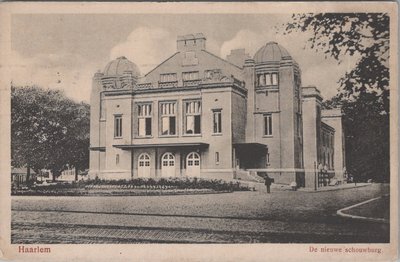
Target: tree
{"points": [[364, 90], [48, 130], [367, 136]]}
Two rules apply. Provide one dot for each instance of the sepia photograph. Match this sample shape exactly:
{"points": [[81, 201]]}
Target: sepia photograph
{"points": [[152, 127]]}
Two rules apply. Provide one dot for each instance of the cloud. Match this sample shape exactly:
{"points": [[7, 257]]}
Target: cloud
{"points": [[146, 47], [68, 72], [149, 46], [247, 39]]}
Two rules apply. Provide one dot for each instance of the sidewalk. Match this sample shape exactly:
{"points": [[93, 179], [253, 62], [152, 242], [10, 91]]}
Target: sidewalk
{"points": [[281, 187], [332, 188]]}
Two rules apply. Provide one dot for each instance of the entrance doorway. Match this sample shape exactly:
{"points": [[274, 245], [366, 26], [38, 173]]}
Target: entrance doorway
{"points": [[144, 165], [193, 165], [168, 165]]}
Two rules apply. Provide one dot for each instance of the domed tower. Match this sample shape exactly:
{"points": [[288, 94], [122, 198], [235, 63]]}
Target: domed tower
{"points": [[119, 74], [274, 113]]}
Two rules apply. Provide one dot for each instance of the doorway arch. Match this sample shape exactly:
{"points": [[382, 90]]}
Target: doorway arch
{"points": [[144, 165], [168, 165], [193, 164]]}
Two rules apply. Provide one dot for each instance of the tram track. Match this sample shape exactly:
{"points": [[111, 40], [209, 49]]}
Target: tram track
{"points": [[104, 227]]}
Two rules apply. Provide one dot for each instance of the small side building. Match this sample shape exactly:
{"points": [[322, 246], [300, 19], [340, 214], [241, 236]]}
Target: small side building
{"points": [[19, 175], [323, 138]]}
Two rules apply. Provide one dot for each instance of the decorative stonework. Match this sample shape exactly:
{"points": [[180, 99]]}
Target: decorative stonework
{"points": [[126, 81]]}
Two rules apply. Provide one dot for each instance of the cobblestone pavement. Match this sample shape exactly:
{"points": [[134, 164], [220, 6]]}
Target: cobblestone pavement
{"points": [[240, 217]]}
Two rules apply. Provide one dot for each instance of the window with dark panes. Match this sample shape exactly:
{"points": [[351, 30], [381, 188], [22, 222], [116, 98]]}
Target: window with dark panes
{"points": [[268, 125], [118, 126], [192, 111], [144, 119], [168, 118], [217, 121]]}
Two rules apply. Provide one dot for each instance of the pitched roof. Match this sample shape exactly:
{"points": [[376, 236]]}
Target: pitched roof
{"points": [[20, 170]]}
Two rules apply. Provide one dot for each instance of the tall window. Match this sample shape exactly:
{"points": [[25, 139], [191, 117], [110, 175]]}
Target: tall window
{"points": [[144, 119], [274, 78], [192, 111], [268, 125], [217, 121], [268, 80], [168, 77], [261, 80], [168, 118], [217, 158], [118, 126]]}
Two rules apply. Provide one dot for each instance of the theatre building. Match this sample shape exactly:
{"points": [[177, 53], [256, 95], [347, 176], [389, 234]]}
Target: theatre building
{"points": [[198, 115]]}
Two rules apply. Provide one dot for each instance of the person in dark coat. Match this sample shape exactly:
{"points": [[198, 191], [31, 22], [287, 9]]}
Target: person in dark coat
{"points": [[268, 182]]}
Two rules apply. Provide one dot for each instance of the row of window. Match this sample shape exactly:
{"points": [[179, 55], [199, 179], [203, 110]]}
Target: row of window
{"points": [[192, 159], [188, 76], [168, 122], [168, 119], [168, 159], [192, 121], [267, 79]]}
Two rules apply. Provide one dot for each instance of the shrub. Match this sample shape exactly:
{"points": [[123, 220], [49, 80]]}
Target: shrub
{"points": [[150, 183]]}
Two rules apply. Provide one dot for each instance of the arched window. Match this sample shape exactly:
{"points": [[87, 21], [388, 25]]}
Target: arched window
{"points": [[144, 160], [193, 159], [168, 159]]}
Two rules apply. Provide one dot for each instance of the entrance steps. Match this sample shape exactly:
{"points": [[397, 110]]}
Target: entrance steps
{"points": [[249, 176]]}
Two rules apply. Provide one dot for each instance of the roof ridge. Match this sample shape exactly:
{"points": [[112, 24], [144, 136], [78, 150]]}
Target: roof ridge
{"points": [[161, 63], [226, 61]]}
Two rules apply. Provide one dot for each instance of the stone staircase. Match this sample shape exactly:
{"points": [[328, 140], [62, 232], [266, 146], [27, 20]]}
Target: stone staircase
{"points": [[250, 176], [255, 176]]}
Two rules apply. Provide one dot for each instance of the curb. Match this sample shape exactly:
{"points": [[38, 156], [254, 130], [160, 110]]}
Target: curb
{"points": [[333, 189], [380, 220]]}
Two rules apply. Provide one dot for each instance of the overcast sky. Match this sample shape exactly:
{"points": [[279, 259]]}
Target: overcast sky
{"points": [[64, 51]]}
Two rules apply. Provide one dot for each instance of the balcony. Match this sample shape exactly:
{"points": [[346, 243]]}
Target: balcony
{"points": [[144, 86], [170, 84], [191, 82]]}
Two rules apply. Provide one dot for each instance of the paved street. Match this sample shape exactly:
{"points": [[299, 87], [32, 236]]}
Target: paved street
{"points": [[240, 217]]}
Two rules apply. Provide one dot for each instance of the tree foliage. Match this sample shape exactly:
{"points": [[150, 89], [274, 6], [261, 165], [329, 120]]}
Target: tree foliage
{"points": [[364, 90], [48, 130], [367, 136]]}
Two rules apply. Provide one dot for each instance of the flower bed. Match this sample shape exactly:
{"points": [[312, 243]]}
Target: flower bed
{"points": [[137, 186]]}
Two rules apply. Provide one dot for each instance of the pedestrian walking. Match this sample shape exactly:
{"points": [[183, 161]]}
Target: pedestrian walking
{"points": [[268, 182]]}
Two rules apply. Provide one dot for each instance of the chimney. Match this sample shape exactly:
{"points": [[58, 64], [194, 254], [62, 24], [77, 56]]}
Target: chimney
{"points": [[191, 42], [238, 57]]}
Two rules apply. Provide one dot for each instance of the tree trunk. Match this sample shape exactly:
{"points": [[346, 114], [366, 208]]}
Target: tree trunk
{"points": [[28, 173]]}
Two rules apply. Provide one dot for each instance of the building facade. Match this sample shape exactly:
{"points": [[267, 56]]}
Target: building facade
{"points": [[198, 115]]}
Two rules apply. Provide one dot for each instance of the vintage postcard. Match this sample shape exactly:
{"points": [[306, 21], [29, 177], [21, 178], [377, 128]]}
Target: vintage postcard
{"points": [[199, 131]]}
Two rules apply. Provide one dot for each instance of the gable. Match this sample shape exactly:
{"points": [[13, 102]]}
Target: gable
{"points": [[192, 61]]}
